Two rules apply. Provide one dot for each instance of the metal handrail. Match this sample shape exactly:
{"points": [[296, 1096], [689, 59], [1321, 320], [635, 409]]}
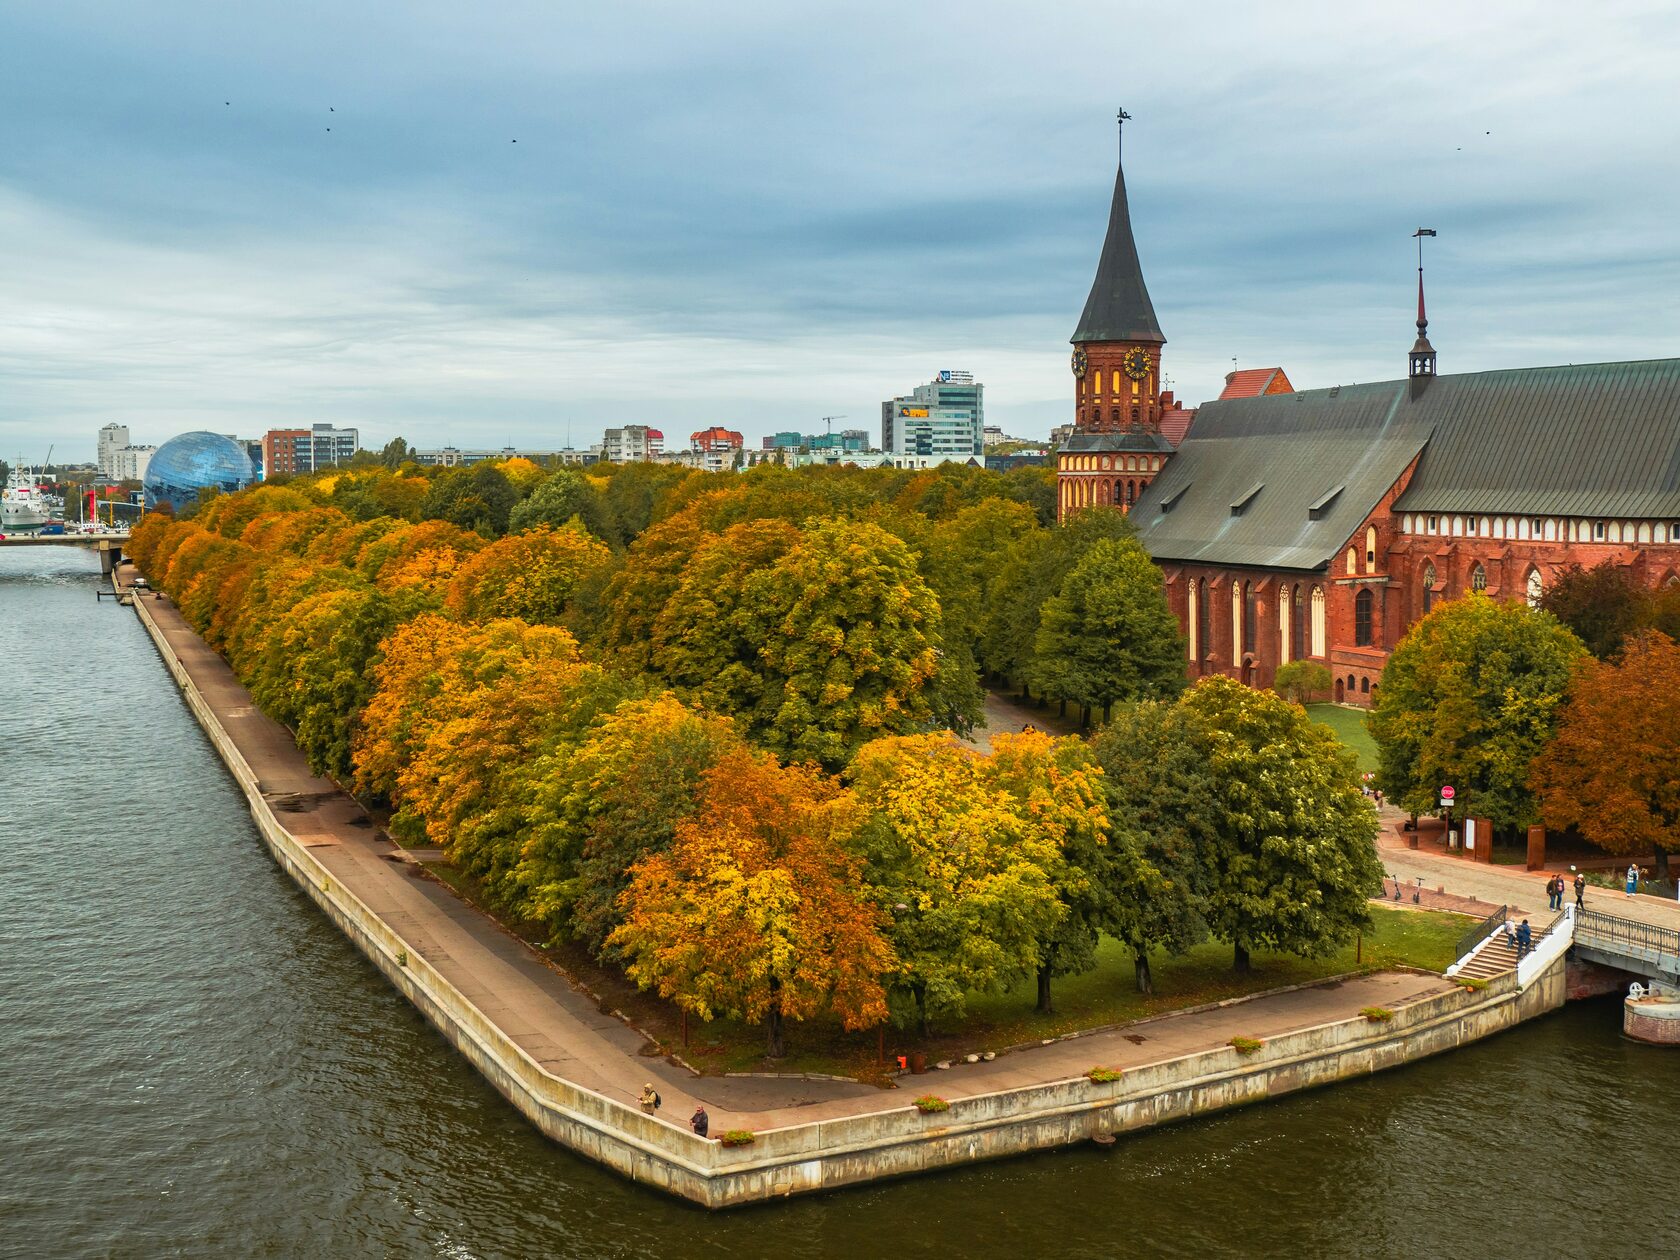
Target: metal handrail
{"points": [[1631, 932], [1476, 935]]}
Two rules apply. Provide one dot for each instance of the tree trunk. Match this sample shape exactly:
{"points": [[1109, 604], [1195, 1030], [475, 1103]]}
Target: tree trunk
{"points": [[1084, 717], [1061, 708], [1239, 959], [1044, 1007], [1660, 863], [773, 1022], [1140, 964], [1106, 707]]}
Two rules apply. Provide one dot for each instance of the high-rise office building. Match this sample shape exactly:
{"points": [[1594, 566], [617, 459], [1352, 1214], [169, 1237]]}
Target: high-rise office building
{"points": [[945, 418], [112, 438]]}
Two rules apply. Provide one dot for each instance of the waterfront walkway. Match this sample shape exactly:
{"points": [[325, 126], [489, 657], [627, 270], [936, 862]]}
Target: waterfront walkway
{"points": [[1523, 890], [562, 1027]]}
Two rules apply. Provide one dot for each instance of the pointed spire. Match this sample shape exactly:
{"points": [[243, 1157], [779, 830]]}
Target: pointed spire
{"points": [[1119, 308], [1421, 361]]}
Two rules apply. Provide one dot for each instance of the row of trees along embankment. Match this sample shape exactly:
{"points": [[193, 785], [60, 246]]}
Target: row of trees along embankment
{"points": [[697, 724]]}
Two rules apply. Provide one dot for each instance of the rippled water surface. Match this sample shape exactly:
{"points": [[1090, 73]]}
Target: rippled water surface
{"points": [[194, 1062]]}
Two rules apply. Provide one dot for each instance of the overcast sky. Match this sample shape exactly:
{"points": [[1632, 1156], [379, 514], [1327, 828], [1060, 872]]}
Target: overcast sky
{"points": [[237, 216]]}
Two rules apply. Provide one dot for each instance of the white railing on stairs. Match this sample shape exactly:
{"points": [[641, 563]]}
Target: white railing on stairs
{"points": [[1559, 937]]}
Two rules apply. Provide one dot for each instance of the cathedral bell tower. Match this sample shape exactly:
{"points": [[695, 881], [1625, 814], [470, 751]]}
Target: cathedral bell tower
{"points": [[1116, 449]]}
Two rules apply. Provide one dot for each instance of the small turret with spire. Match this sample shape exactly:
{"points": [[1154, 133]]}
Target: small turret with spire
{"points": [[1421, 361]]}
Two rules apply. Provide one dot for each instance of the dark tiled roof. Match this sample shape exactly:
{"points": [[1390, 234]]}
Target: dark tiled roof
{"points": [[1118, 308], [1240, 489], [1131, 440], [1597, 439]]}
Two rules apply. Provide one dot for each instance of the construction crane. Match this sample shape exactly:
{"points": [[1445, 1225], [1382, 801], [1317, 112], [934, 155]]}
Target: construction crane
{"points": [[828, 423]]}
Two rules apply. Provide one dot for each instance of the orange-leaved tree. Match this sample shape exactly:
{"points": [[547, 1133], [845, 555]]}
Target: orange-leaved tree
{"points": [[426, 669], [752, 913], [1612, 771], [531, 575]]}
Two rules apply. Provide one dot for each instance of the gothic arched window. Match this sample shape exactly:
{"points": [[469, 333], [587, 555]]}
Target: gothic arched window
{"points": [[1362, 619], [1318, 621], [1478, 578], [1535, 588], [1428, 587]]}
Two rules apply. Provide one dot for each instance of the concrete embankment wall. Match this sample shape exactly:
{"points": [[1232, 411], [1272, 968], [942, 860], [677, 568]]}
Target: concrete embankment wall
{"points": [[900, 1141]]}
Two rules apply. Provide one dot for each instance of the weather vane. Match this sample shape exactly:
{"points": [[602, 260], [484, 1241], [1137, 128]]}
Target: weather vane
{"points": [[1121, 118]]}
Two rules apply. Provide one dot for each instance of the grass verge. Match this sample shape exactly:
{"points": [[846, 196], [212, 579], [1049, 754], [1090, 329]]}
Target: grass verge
{"points": [[1349, 725]]}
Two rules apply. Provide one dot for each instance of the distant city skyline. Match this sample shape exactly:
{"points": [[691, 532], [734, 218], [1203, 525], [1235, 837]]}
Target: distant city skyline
{"points": [[512, 223]]}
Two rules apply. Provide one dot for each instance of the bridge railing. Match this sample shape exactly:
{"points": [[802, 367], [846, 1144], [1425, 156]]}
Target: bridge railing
{"points": [[1617, 934]]}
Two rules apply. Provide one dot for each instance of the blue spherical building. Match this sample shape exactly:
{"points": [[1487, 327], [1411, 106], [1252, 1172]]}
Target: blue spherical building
{"points": [[184, 465]]}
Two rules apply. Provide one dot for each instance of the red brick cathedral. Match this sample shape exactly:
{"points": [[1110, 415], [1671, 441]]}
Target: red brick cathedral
{"points": [[1322, 523]]}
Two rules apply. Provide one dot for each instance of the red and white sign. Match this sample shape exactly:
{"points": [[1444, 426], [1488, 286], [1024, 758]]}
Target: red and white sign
{"points": [[1446, 792]]}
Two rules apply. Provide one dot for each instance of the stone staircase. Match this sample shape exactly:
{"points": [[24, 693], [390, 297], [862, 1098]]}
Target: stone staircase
{"points": [[1497, 956]]}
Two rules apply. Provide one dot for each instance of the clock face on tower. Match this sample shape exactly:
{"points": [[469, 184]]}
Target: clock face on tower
{"points": [[1136, 363], [1079, 362]]}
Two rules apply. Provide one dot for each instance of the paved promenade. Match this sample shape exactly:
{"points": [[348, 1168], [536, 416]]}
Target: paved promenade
{"points": [[563, 1029], [1524, 891]]}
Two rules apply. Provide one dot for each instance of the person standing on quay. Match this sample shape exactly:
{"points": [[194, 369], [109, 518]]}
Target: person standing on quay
{"points": [[700, 1122], [1632, 878], [1580, 891]]}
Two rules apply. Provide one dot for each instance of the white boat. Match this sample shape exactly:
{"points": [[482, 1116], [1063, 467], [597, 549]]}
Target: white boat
{"points": [[23, 503]]}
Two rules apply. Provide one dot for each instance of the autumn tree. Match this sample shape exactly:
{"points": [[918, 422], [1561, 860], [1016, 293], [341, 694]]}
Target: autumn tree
{"points": [[710, 637], [853, 641], [1603, 605], [1107, 634], [1032, 571], [426, 668], [1165, 824], [1301, 680], [1057, 789], [479, 498], [752, 913], [608, 799], [968, 885], [532, 575], [1612, 771], [1469, 697], [564, 496], [1291, 843]]}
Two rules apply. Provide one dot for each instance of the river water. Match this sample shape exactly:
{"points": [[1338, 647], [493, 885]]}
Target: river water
{"points": [[194, 1062]]}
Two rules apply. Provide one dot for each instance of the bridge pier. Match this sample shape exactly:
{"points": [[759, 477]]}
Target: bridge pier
{"points": [[1652, 1015], [107, 560]]}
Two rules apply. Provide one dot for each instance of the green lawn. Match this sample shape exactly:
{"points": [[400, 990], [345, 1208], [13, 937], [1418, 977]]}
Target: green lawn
{"points": [[1349, 725]]}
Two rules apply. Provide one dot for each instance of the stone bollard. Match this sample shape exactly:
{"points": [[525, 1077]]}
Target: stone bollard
{"points": [[1536, 848]]}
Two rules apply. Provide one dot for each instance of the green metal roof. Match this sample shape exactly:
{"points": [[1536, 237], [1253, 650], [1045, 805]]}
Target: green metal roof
{"points": [[1126, 440], [1256, 481], [1599, 439]]}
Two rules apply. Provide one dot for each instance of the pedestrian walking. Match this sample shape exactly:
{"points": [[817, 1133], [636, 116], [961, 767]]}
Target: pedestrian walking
{"points": [[700, 1122], [1510, 934], [1557, 893], [1632, 878], [1525, 938], [650, 1098], [1580, 890]]}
